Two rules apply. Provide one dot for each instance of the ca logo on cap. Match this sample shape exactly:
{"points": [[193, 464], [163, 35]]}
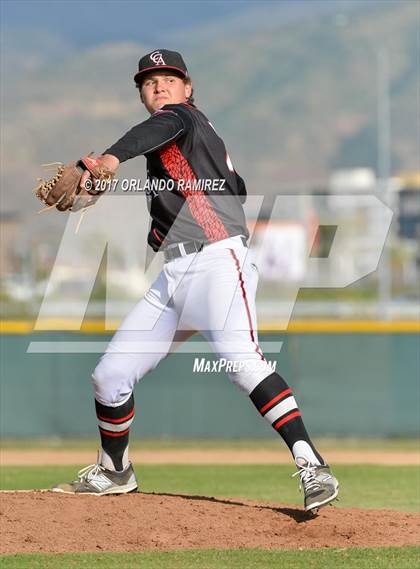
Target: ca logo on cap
{"points": [[157, 58]]}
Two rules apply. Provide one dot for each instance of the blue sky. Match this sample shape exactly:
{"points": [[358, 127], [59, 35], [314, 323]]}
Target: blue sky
{"points": [[85, 23], [88, 22]]}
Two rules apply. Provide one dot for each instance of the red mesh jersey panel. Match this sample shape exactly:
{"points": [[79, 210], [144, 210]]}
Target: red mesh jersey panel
{"points": [[201, 209]]}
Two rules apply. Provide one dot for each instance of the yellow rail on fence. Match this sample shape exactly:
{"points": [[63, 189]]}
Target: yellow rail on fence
{"points": [[294, 326]]}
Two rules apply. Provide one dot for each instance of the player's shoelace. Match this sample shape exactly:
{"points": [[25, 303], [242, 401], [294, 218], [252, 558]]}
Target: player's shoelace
{"points": [[308, 478], [89, 472]]}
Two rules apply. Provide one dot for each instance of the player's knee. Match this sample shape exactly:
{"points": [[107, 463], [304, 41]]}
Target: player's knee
{"points": [[249, 374], [111, 384]]}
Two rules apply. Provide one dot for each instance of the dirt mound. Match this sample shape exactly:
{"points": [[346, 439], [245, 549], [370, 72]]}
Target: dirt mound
{"points": [[57, 523]]}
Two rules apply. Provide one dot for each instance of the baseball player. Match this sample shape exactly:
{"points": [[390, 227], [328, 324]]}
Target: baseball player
{"points": [[208, 282]]}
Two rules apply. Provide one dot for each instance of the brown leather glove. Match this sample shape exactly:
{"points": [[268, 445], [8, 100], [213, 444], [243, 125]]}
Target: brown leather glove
{"points": [[63, 190]]}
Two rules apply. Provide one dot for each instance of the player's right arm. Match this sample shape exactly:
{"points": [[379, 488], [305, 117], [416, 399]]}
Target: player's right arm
{"points": [[157, 131], [162, 127]]}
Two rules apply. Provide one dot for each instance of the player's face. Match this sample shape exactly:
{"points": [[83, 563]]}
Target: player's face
{"points": [[161, 88]]}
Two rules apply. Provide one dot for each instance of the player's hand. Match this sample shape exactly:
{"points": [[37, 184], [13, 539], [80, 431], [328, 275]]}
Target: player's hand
{"points": [[107, 161], [86, 183]]}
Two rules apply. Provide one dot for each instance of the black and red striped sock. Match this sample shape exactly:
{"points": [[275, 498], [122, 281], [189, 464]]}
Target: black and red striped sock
{"points": [[114, 426], [274, 400]]}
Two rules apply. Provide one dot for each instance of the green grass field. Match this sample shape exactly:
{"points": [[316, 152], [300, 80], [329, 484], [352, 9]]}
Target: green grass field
{"points": [[385, 558], [363, 486]]}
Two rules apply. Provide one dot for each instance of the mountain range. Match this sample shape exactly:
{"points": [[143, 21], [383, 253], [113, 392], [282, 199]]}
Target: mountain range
{"points": [[293, 98]]}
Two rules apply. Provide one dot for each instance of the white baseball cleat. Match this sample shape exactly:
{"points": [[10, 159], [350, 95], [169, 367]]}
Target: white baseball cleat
{"points": [[95, 479], [319, 485]]}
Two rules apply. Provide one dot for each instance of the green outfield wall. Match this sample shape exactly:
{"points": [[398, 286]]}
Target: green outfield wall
{"points": [[364, 384]]}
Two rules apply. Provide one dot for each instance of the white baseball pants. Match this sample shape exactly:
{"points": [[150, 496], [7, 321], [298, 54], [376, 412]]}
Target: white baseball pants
{"points": [[212, 292]]}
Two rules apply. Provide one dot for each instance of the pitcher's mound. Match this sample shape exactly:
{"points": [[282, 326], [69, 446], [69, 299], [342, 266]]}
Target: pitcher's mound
{"points": [[57, 523]]}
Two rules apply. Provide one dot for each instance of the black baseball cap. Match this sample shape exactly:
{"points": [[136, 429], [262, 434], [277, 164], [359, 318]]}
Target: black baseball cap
{"points": [[161, 59]]}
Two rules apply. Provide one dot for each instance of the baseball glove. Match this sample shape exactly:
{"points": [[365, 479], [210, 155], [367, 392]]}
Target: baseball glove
{"points": [[63, 190]]}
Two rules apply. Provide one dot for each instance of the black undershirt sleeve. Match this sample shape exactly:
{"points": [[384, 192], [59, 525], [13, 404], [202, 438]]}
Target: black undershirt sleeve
{"points": [[161, 128], [241, 188]]}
